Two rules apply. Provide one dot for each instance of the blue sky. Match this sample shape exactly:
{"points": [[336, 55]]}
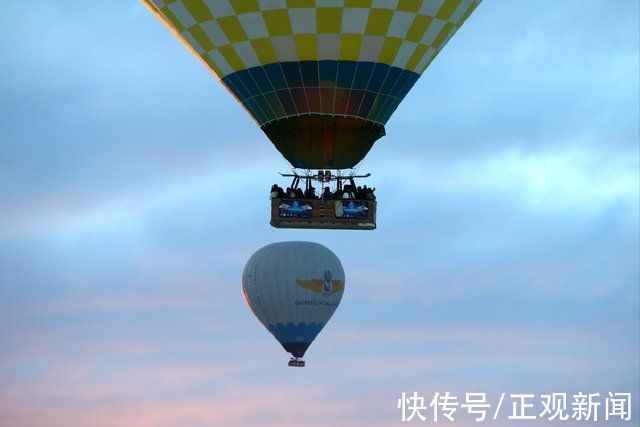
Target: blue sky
{"points": [[121, 249]]}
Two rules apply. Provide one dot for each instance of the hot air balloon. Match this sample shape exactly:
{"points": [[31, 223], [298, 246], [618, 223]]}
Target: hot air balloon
{"points": [[320, 77], [293, 288]]}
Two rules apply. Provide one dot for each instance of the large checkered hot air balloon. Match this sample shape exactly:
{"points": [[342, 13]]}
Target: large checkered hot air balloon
{"points": [[320, 77]]}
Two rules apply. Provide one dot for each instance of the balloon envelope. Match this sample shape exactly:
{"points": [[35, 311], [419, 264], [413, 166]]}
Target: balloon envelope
{"points": [[293, 288], [321, 77]]}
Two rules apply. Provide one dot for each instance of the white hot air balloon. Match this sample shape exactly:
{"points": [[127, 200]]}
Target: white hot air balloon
{"points": [[293, 288]]}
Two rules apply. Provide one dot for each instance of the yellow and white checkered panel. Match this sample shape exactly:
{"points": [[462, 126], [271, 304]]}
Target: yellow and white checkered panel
{"points": [[233, 35], [284, 58]]}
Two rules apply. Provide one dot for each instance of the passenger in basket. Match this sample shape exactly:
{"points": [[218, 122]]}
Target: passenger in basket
{"points": [[327, 194], [347, 194], [274, 192], [310, 193]]}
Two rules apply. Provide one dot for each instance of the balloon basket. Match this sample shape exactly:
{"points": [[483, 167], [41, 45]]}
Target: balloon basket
{"points": [[296, 363], [348, 207]]}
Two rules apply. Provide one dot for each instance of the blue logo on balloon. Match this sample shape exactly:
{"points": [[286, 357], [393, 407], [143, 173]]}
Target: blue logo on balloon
{"points": [[327, 287]]}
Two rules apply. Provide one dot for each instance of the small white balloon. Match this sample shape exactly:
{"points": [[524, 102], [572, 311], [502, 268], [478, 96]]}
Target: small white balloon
{"points": [[293, 288]]}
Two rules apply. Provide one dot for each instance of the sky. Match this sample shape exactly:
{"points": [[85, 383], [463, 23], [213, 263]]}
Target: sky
{"points": [[506, 258]]}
